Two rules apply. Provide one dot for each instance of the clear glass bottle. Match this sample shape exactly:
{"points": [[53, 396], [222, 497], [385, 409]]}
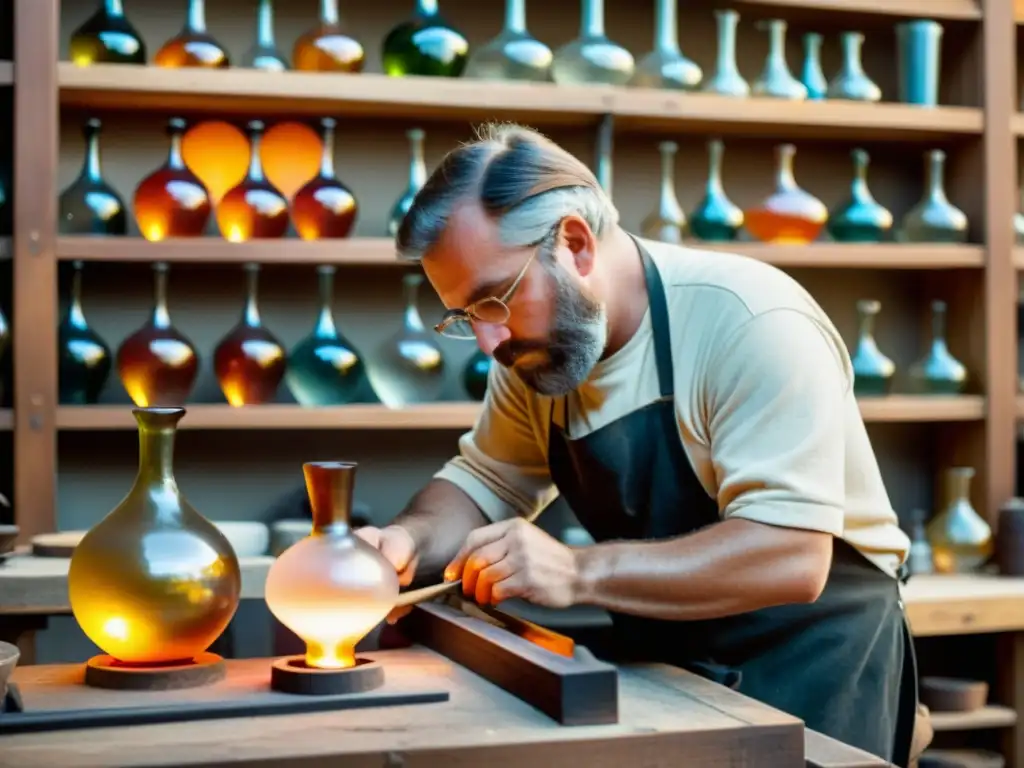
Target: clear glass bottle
{"points": [[872, 370], [324, 207], [425, 45], [514, 54], [89, 205], [193, 46], [666, 222], [789, 216], [328, 47], [716, 218], [919, 560], [938, 372], [811, 74], [666, 66], [775, 80], [934, 219], [264, 53], [592, 58], [852, 82], [417, 178], [860, 218], [106, 37], [961, 540], [727, 80], [255, 208], [83, 357]]}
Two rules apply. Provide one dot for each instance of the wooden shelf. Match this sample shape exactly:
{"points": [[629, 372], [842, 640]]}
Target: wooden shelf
{"points": [[862, 256], [6, 419], [6, 73], [939, 9], [991, 716], [248, 92], [910, 408]]}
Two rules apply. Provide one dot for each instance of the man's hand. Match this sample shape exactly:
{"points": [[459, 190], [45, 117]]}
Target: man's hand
{"points": [[399, 548], [515, 558]]}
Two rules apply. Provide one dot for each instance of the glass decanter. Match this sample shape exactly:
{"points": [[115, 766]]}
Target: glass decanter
{"points": [[666, 66], [328, 47], [172, 201], [83, 358], [417, 178], [872, 370], [789, 216], [859, 218], [106, 37], [775, 80], [325, 368], [716, 218], [193, 46], [811, 74], [592, 58], [249, 361], [324, 207], [961, 540], [475, 373], [666, 222], [409, 366], [514, 54], [727, 80], [158, 364], [254, 208], [920, 559], [934, 219], [938, 372], [425, 45], [264, 53], [852, 82], [89, 205]]}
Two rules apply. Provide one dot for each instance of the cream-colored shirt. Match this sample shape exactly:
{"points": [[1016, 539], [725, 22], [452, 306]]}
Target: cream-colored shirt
{"points": [[763, 398]]}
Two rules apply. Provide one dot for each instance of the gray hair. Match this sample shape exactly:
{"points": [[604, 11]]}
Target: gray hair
{"points": [[519, 177]]}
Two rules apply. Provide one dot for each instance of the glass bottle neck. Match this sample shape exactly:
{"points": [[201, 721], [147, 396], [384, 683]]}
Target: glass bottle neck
{"points": [[161, 316], [251, 310], [255, 164], [175, 160], [156, 463], [327, 156], [76, 317], [325, 321], [777, 44], [330, 488], [859, 186], [668, 171], [958, 485], [91, 167], [715, 150], [852, 45], [727, 21], [784, 175], [265, 24], [426, 7], [936, 187], [939, 328], [410, 292], [196, 20], [866, 331], [592, 19], [417, 165], [113, 7], [515, 16], [329, 12], [666, 39]]}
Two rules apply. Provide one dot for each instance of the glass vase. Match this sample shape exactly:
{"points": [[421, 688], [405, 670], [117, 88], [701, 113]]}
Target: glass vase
{"points": [[89, 205], [83, 358], [417, 178], [475, 373], [859, 218], [592, 59], [328, 47], [727, 80], [934, 219], [514, 54], [852, 82], [872, 370], [666, 66], [811, 74], [106, 37], [716, 218], [249, 361], [938, 372], [217, 152], [254, 208], [324, 207], [775, 80], [961, 540], [158, 364], [172, 201], [264, 53], [426, 45], [193, 46], [666, 222], [789, 216]]}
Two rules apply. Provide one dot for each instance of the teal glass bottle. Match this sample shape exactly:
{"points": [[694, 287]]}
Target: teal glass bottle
{"points": [[425, 45], [859, 218], [475, 373], [514, 54], [811, 74], [666, 66], [934, 219], [264, 53], [106, 37], [716, 218], [872, 370], [84, 360], [938, 372], [89, 205], [417, 178]]}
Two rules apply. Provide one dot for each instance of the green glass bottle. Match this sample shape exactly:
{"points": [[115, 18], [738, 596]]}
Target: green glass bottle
{"points": [[425, 45], [716, 218], [938, 372], [106, 37], [84, 359], [474, 375], [872, 371], [934, 219], [859, 218], [89, 205]]}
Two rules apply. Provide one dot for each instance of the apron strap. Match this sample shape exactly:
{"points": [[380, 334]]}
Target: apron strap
{"points": [[659, 322]]}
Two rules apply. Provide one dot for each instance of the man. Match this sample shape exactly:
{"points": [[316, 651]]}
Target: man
{"points": [[695, 410]]}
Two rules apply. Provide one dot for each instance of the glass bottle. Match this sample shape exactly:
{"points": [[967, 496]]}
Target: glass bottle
{"points": [[919, 560], [217, 152], [592, 58], [193, 46], [328, 47], [872, 370], [727, 80], [666, 222], [666, 66], [514, 54], [254, 208], [324, 207], [603, 166], [89, 205], [106, 37], [934, 219], [811, 75], [716, 218], [5, 363], [425, 45], [961, 539], [775, 80], [172, 201], [938, 372], [789, 216], [1018, 224], [158, 364], [852, 82], [475, 373], [417, 178], [264, 53], [83, 358], [249, 361], [859, 218]]}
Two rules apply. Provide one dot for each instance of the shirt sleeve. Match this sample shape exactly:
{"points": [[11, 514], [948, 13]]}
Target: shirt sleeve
{"points": [[777, 395]]}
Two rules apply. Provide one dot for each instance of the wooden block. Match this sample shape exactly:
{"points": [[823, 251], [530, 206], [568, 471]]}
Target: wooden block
{"points": [[823, 751]]}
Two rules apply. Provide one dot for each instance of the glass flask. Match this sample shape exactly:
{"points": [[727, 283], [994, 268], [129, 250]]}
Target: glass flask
{"points": [[716, 218], [775, 80], [934, 219], [83, 358], [291, 153], [852, 82], [264, 53], [920, 559], [592, 58], [193, 46], [249, 361], [666, 66], [409, 366], [859, 218], [475, 373], [218, 154], [328, 47], [514, 54], [325, 368], [154, 582], [331, 588], [727, 80], [425, 45], [872, 370], [417, 178], [789, 216], [172, 201], [254, 208], [324, 207], [106, 37], [961, 540], [89, 205], [938, 372], [666, 222], [158, 364], [811, 75]]}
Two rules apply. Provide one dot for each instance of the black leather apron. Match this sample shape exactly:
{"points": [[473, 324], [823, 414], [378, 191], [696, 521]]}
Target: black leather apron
{"points": [[843, 664]]}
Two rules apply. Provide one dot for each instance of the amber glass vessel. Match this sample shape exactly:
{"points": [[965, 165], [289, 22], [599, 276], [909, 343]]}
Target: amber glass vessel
{"points": [[331, 588], [255, 208], [789, 216], [218, 154], [328, 47], [291, 153], [172, 201], [417, 178], [89, 205], [961, 540], [83, 358], [158, 364], [154, 582], [249, 361], [106, 37], [324, 207], [193, 46]]}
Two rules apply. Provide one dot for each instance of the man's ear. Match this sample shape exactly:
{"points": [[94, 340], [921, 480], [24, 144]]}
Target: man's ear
{"points": [[579, 240]]}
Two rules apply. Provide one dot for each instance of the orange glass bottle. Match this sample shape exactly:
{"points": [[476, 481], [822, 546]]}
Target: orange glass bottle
{"points": [[324, 207], [789, 216], [327, 47], [193, 46], [254, 208]]}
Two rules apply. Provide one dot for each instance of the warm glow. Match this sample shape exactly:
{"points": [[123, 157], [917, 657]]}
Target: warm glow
{"points": [[290, 153], [218, 153], [154, 232]]}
